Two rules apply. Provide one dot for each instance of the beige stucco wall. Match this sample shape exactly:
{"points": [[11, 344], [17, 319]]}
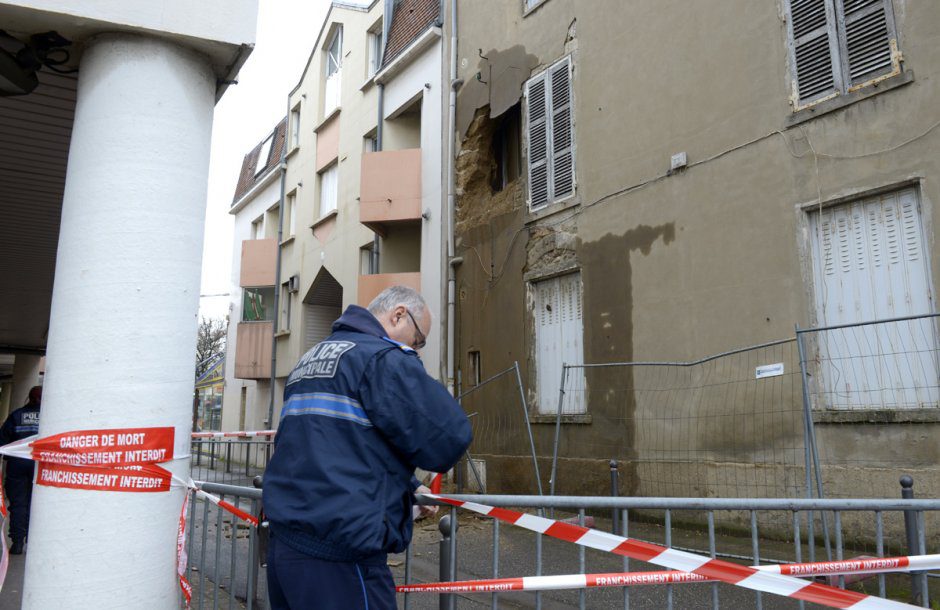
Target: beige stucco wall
{"points": [[711, 258]]}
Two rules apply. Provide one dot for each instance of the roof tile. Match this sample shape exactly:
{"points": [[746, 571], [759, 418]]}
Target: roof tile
{"points": [[248, 178]]}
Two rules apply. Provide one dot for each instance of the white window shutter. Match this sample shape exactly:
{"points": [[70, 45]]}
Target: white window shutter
{"points": [[559, 340], [562, 132], [537, 134], [811, 27], [871, 266], [866, 39]]}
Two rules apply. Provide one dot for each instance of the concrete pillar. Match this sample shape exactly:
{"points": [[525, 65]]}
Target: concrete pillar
{"points": [[25, 376], [123, 323]]}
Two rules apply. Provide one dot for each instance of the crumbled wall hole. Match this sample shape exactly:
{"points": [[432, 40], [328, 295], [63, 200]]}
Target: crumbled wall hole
{"points": [[477, 203]]}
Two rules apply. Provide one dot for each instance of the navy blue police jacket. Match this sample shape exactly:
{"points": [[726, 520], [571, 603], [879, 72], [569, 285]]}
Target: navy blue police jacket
{"points": [[22, 423], [360, 413]]}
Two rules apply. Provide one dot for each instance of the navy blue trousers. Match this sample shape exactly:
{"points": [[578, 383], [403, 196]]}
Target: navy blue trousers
{"points": [[19, 491], [299, 582]]}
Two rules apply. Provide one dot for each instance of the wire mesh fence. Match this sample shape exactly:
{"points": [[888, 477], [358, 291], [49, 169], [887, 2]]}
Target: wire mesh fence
{"points": [[730, 425], [873, 392], [503, 428]]}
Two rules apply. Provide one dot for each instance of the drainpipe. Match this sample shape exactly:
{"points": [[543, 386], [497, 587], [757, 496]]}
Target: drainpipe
{"points": [[277, 270], [374, 259], [451, 170]]}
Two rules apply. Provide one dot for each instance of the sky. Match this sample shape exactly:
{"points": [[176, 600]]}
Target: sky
{"points": [[287, 31]]}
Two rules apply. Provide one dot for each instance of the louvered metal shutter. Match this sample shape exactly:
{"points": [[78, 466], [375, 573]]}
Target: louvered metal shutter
{"points": [[550, 134], [537, 131], [559, 339], [870, 264], [813, 50], [866, 39], [562, 140]]}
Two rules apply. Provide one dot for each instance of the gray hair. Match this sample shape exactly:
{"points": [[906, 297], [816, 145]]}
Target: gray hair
{"points": [[393, 296]]}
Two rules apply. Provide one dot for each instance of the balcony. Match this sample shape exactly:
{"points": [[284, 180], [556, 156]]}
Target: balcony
{"points": [[259, 257], [253, 350], [390, 189], [371, 285]]}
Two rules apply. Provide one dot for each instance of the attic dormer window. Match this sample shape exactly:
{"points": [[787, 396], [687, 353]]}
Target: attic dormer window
{"points": [[263, 155]]}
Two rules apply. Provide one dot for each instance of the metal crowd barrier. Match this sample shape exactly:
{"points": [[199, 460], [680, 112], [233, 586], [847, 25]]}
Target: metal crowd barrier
{"points": [[225, 556], [233, 461], [904, 520]]}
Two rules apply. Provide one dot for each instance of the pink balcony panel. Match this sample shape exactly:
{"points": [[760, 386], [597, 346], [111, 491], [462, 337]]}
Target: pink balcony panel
{"points": [[259, 257], [253, 350], [371, 285], [390, 189]]}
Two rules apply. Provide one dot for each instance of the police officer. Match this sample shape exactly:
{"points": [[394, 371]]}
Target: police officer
{"points": [[20, 424], [360, 413]]}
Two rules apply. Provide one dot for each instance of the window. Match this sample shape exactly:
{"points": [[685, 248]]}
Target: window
{"points": [[550, 135], [334, 64], [531, 4], [370, 144], [365, 259], [507, 149], [257, 304], [559, 339], [838, 45], [295, 127], [329, 189], [375, 49], [257, 228], [285, 306], [290, 213], [474, 368], [870, 263], [263, 155], [271, 222]]}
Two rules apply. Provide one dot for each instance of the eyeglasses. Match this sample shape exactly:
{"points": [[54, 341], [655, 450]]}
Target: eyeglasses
{"points": [[420, 339]]}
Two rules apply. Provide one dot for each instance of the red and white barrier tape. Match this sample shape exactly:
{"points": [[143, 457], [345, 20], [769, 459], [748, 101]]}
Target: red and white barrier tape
{"points": [[629, 579], [244, 516], [724, 571], [239, 434], [182, 559]]}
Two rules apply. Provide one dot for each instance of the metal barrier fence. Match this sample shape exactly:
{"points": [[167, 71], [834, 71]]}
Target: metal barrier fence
{"points": [[746, 545], [223, 553], [729, 425], [504, 430], [870, 380], [233, 461], [225, 572]]}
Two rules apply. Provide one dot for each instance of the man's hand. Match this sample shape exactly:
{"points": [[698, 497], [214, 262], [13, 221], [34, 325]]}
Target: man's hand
{"points": [[426, 511]]}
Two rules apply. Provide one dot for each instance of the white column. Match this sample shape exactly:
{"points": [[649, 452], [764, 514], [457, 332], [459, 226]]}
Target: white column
{"points": [[25, 376], [122, 332]]}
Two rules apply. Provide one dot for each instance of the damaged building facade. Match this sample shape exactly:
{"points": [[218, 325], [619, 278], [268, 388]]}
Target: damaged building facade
{"points": [[660, 183]]}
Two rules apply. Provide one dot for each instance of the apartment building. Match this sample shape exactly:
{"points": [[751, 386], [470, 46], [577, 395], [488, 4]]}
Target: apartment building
{"points": [[652, 182], [362, 190], [250, 338]]}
